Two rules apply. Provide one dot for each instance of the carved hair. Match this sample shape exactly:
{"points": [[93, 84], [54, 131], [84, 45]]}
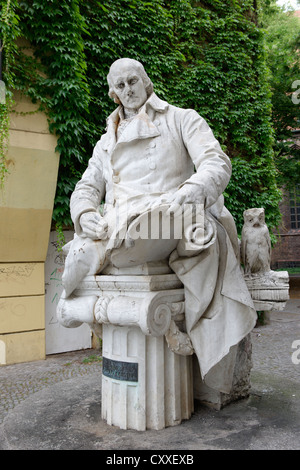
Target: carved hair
{"points": [[139, 68]]}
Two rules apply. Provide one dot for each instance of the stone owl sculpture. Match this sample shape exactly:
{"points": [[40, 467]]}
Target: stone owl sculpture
{"points": [[255, 243]]}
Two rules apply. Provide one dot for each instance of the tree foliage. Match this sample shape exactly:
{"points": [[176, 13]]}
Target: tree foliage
{"points": [[206, 55], [282, 40]]}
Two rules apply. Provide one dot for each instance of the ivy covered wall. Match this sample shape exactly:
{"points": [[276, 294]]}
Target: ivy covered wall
{"points": [[206, 55]]}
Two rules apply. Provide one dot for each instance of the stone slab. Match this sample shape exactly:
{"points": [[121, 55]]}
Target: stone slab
{"points": [[19, 279], [26, 214], [129, 283], [19, 314], [22, 347], [67, 416]]}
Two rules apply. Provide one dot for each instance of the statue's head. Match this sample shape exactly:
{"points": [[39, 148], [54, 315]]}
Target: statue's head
{"points": [[254, 217], [128, 83]]}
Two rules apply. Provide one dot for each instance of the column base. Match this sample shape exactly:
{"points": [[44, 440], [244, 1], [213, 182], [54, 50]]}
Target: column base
{"points": [[144, 384]]}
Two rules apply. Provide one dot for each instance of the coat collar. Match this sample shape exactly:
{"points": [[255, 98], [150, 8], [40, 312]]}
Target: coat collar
{"points": [[141, 127]]}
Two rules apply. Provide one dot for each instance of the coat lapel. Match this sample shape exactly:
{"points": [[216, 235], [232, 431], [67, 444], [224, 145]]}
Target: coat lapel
{"points": [[109, 140], [141, 127]]}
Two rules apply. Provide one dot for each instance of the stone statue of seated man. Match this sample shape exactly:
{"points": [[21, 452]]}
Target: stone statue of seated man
{"points": [[155, 156]]}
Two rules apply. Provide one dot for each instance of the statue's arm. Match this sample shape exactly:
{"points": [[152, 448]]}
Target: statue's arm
{"points": [[89, 191], [213, 166]]}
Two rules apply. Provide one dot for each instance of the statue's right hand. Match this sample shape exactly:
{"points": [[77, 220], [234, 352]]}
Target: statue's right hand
{"points": [[93, 225]]}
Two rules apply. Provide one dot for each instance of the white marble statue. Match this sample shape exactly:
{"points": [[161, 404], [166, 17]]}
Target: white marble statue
{"points": [[256, 243], [154, 155], [269, 289]]}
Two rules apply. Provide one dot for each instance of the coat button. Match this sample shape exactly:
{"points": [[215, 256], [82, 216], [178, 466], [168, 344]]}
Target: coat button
{"points": [[152, 165], [116, 179]]}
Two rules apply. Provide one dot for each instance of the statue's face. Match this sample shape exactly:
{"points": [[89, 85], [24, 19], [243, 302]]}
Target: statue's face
{"points": [[128, 86]]}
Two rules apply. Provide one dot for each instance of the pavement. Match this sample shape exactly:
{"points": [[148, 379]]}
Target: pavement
{"points": [[55, 404]]}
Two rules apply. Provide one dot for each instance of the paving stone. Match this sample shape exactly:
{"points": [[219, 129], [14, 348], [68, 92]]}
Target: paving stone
{"points": [[56, 403]]}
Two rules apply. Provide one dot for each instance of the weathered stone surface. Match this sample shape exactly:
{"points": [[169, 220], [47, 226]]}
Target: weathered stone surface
{"points": [[160, 262], [269, 290], [241, 355]]}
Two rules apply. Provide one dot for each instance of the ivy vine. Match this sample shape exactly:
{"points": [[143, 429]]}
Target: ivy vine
{"points": [[9, 34], [206, 55]]}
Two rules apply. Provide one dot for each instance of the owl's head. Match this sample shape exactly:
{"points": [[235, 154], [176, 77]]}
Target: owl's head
{"points": [[254, 217]]}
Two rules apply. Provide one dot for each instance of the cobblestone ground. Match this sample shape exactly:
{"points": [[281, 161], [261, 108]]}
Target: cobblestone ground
{"points": [[18, 381], [272, 346]]}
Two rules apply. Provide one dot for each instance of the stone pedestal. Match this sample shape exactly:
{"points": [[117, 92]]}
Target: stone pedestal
{"points": [[269, 290], [147, 357], [144, 384], [150, 373]]}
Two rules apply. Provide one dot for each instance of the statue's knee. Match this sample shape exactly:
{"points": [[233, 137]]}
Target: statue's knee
{"points": [[73, 311], [86, 253], [65, 316]]}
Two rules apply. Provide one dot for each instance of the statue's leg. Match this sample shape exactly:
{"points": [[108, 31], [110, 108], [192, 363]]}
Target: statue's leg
{"points": [[85, 257]]}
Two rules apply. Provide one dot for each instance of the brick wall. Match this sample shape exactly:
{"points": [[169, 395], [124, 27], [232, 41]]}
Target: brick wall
{"points": [[286, 252]]}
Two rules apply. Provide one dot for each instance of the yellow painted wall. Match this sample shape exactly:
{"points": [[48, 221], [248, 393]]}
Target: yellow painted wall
{"points": [[22, 347], [26, 206], [26, 203], [19, 279], [19, 314]]}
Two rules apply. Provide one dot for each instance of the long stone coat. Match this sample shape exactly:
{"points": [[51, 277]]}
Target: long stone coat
{"points": [[160, 149], [155, 154]]}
